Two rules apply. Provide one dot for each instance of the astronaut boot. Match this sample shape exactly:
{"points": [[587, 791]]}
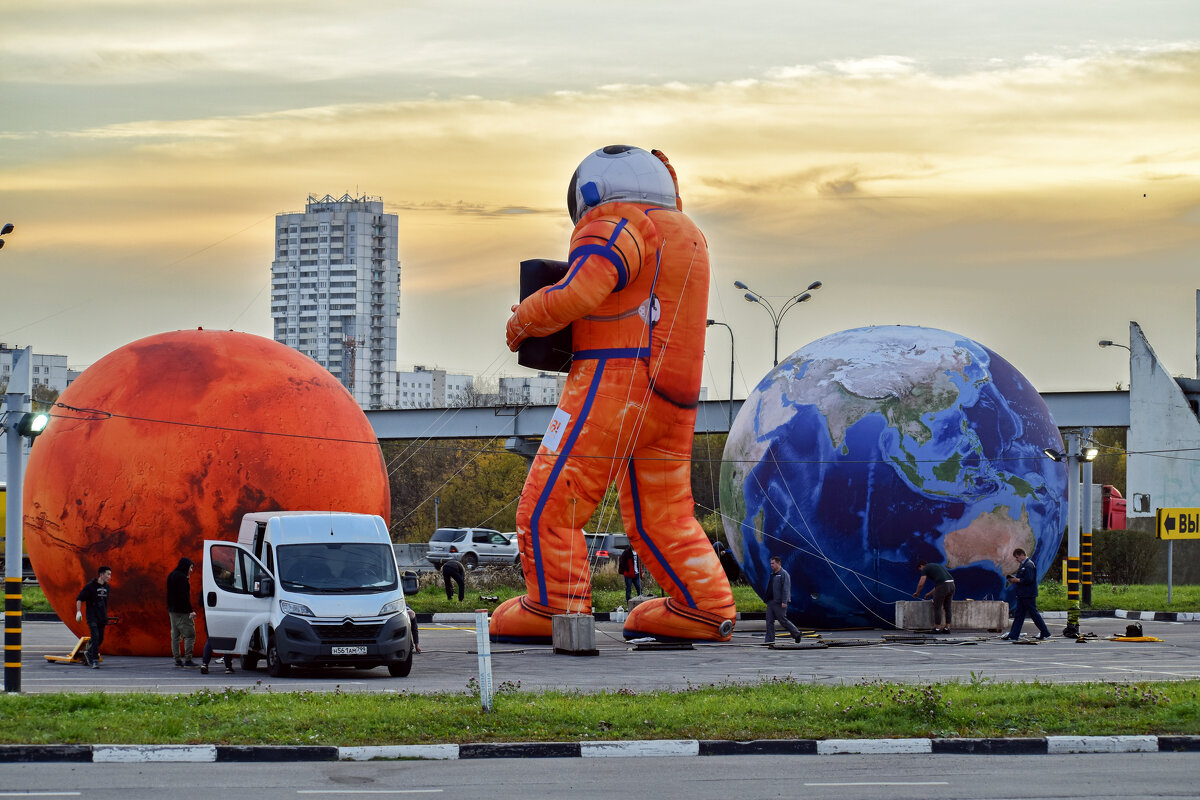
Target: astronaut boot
{"points": [[519, 619], [666, 619]]}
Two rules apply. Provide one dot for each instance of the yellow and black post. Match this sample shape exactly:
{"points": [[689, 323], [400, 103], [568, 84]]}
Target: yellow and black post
{"points": [[12, 632], [1073, 498], [1085, 567], [20, 423]]}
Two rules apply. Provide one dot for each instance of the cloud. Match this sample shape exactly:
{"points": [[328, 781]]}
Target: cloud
{"points": [[885, 173]]}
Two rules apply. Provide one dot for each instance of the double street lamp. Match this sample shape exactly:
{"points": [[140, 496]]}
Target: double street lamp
{"points": [[777, 316]]}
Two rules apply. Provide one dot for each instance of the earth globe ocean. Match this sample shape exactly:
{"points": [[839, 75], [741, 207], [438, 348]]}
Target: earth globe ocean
{"points": [[871, 448]]}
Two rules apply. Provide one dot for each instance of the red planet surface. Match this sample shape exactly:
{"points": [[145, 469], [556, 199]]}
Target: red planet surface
{"points": [[167, 442]]}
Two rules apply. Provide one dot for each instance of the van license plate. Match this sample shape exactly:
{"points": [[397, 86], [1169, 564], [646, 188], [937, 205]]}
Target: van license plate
{"points": [[350, 651]]}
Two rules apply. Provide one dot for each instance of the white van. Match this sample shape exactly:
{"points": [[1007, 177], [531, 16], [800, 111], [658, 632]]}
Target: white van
{"points": [[308, 588]]}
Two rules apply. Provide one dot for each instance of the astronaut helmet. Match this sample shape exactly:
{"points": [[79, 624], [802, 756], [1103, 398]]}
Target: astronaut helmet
{"points": [[619, 172]]}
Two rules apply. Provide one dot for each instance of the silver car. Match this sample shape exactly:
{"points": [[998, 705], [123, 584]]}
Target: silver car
{"points": [[472, 547]]}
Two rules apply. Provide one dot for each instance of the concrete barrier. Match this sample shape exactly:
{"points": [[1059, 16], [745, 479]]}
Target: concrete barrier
{"points": [[971, 615], [411, 555]]}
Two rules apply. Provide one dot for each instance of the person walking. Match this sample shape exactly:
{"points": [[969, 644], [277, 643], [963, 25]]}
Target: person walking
{"points": [[1025, 585], [631, 568], [941, 593], [452, 571], [95, 595], [183, 617], [779, 592]]}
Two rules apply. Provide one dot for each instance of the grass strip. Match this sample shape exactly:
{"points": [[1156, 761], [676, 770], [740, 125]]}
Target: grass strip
{"points": [[777, 709]]}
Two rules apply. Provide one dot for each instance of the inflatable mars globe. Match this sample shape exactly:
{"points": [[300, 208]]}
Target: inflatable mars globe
{"points": [[872, 448], [167, 442]]}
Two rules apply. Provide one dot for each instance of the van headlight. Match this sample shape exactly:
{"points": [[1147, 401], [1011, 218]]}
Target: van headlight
{"points": [[299, 610], [393, 607]]}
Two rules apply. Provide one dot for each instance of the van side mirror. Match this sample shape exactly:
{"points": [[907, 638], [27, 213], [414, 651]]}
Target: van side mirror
{"points": [[408, 582], [264, 587]]}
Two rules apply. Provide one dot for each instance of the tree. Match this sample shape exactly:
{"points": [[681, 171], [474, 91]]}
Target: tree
{"points": [[1109, 466]]}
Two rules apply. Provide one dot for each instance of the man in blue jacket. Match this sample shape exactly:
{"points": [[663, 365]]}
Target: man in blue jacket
{"points": [[779, 593], [1025, 585]]}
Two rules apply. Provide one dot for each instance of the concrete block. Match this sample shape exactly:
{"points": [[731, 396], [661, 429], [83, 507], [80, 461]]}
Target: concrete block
{"points": [[574, 634], [970, 615]]}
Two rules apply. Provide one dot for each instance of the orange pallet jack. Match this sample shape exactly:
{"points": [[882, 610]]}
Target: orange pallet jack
{"points": [[78, 654]]}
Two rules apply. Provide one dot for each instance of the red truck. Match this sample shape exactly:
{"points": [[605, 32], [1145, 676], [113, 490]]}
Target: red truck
{"points": [[1112, 508]]}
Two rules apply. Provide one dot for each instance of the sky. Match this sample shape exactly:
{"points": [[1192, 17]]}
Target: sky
{"points": [[1022, 173]]}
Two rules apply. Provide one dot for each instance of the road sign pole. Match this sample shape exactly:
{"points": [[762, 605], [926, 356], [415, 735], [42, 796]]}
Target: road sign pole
{"points": [[1170, 566]]}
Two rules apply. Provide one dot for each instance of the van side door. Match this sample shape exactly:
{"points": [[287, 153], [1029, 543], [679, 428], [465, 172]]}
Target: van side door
{"points": [[238, 592]]}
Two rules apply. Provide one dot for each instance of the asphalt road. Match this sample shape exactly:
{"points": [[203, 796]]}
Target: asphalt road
{"points": [[1111, 776], [449, 661]]}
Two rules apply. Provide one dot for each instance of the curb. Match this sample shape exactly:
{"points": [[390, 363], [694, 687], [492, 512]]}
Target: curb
{"points": [[205, 753]]}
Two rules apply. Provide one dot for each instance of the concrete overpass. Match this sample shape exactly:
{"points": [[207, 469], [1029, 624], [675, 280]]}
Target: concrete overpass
{"points": [[1109, 409]]}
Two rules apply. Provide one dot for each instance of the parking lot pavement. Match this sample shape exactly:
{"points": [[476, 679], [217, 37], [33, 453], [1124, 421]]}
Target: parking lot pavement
{"points": [[449, 662]]}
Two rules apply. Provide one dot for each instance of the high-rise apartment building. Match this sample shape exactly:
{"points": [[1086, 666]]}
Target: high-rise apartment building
{"points": [[335, 286]]}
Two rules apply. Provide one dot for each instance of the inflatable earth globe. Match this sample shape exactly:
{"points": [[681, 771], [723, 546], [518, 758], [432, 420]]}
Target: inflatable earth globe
{"points": [[872, 448]]}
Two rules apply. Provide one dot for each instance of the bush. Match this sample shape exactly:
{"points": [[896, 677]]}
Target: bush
{"points": [[1123, 557]]}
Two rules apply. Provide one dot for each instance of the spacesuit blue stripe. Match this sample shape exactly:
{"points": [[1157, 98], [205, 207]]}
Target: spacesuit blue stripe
{"points": [[637, 516], [612, 352], [536, 519], [623, 274], [576, 263], [604, 251]]}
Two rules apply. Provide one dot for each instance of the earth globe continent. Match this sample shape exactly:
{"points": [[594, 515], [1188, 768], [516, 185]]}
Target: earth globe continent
{"points": [[872, 448]]}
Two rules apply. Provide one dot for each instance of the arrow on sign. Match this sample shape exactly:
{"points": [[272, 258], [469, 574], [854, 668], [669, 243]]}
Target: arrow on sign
{"points": [[1169, 525]]}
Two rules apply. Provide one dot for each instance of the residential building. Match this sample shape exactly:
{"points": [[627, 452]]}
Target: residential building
{"points": [[49, 371], [432, 388], [335, 286], [542, 390]]}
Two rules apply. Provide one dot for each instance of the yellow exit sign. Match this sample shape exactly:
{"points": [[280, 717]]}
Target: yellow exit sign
{"points": [[1178, 523]]}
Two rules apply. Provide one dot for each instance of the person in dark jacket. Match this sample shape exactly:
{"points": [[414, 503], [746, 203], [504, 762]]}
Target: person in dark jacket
{"points": [[95, 595], [1025, 584], [778, 594], [183, 617], [631, 569], [453, 571], [942, 592]]}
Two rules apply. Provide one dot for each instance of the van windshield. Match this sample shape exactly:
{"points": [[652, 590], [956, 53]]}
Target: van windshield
{"points": [[337, 568]]}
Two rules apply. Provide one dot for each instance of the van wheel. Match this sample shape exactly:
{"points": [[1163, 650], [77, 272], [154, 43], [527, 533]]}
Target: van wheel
{"points": [[275, 666], [250, 662], [470, 560], [400, 669]]}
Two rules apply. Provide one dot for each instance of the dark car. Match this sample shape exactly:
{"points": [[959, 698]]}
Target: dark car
{"points": [[605, 547]]}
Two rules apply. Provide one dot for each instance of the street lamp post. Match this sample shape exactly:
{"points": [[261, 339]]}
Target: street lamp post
{"points": [[777, 317], [709, 324]]}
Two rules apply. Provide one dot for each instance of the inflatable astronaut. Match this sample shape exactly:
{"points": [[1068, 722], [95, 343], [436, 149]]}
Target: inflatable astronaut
{"points": [[636, 296]]}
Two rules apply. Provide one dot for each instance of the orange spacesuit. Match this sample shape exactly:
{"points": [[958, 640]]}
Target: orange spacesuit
{"points": [[636, 296]]}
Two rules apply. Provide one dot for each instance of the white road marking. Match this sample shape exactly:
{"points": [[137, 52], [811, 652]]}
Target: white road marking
{"points": [[883, 783], [367, 791]]}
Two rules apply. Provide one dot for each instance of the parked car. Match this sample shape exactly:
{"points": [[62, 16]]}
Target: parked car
{"points": [[472, 547], [605, 547]]}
